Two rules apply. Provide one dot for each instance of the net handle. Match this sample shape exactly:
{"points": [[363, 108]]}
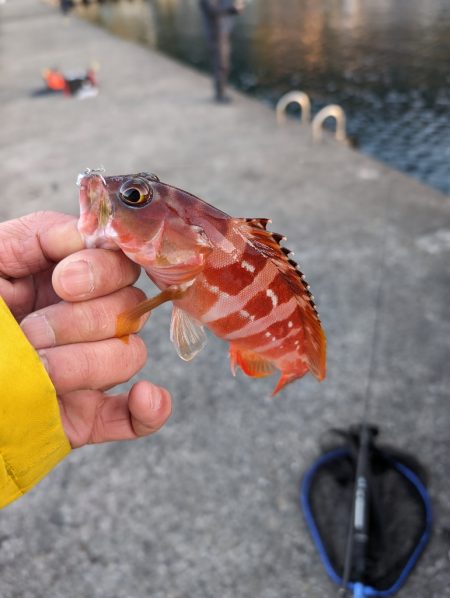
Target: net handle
{"points": [[358, 536]]}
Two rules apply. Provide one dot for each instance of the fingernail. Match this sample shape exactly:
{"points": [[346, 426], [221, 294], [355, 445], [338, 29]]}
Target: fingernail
{"points": [[38, 331], [155, 398], [77, 278]]}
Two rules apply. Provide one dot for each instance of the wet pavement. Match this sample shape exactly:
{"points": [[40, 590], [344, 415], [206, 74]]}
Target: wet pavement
{"points": [[209, 506]]}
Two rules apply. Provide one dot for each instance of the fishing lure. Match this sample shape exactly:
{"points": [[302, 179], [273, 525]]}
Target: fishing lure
{"points": [[228, 274]]}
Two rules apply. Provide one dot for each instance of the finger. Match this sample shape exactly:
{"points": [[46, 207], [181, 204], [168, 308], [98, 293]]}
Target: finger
{"points": [[93, 273], [150, 407], [67, 323], [96, 365], [34, 242], [18, 295], [91, 416]]}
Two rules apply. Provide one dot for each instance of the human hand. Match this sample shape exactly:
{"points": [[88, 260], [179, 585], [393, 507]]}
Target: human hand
{"points": [[43, 260]]}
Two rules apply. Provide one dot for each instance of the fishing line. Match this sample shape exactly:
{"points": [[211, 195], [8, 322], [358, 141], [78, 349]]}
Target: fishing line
{"points": [[377, 307]]}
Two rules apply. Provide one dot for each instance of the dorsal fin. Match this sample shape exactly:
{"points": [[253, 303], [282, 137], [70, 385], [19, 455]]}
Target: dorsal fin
{"points": [[258, 222], [268, 244]]}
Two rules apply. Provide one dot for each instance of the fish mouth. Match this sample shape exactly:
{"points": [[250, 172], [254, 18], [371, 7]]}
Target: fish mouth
{"points": [[96, 211]]}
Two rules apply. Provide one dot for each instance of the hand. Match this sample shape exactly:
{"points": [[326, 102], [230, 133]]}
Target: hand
{"points": [[42, 259]]}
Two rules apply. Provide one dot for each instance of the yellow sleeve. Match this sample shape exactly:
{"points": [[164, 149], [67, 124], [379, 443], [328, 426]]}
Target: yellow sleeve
{"points": [[32, 439]]}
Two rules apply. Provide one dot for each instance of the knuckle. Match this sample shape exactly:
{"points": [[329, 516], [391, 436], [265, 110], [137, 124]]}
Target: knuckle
{"points": [[94, 320], [87, 363]]}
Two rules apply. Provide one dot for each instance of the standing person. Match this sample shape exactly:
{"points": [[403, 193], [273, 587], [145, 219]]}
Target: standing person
{"points": [[219, 17], [66, 6]]}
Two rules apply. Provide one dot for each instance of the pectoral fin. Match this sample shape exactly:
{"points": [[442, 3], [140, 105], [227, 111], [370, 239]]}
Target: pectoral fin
{"points": [[187, 334], [128, 321], [250, 363]]}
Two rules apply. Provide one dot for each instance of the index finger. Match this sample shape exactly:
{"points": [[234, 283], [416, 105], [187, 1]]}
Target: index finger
{"points": [[35, 242], [93, 273]]}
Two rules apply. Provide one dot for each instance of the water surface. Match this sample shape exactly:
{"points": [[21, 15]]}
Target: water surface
{"points": [[386, 62]]}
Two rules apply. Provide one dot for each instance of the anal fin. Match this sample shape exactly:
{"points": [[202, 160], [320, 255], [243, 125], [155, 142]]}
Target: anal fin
{"points": [[250, 363]]}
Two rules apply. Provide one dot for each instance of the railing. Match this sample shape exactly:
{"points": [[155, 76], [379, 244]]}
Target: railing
{"points": [[331, 111]]}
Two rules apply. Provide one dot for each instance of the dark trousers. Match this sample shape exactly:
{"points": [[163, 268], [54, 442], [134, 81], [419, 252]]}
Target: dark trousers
{"points": [[218, 29]]}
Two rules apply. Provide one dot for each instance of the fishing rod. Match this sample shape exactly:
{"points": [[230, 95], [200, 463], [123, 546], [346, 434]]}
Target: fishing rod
{"points": [[384, 488], [358, 532], [356, 549]]}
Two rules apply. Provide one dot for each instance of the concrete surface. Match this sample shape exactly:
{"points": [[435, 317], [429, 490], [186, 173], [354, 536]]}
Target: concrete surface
{"points": [[208, 507]]}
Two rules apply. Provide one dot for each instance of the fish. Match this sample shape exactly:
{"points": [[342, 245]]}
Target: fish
{"points": [[229, 275]]}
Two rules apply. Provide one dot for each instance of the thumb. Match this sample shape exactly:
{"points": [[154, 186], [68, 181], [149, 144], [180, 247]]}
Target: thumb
{"points": [[34, 242]]}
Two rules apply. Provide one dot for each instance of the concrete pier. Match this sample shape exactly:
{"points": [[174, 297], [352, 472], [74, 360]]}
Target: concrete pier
{"points": [[208, 507]]}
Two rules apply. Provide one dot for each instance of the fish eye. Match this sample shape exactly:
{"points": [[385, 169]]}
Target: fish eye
{"points": [[135, 192]]}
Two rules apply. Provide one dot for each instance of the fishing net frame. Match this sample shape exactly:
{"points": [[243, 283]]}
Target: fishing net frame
{"points": [[399, 513]]}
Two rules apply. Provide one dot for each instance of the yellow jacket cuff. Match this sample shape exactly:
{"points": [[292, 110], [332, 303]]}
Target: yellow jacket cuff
{"points": [[32, 439]]}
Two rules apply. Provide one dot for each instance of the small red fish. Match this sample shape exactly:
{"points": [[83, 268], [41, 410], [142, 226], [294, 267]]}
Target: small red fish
{"points": [[228, 274]]}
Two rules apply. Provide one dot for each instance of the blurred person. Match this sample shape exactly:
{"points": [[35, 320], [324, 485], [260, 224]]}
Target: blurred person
{"points": [[76, 83], [219, 17], [57, 364], [66, 6]]}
